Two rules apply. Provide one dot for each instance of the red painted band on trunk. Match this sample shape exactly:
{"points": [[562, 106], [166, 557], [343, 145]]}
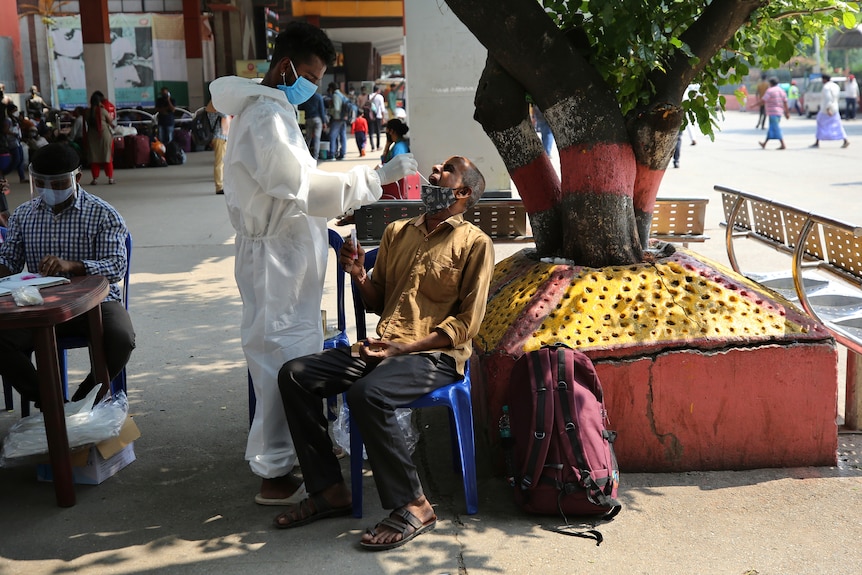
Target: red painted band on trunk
{"points": [[600, 168], [538, 184], [646, 188]]}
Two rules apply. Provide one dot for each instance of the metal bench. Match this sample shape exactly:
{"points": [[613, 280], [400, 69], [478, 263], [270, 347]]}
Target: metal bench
{"points": [[500, 219], [679, 220], [674, 220], [814, 242]]}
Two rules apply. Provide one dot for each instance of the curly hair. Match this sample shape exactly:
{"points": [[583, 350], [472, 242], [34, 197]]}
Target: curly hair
{"points": [[300, 42]]}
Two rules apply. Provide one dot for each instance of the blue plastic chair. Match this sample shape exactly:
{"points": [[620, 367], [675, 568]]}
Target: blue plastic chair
{"points": [[338, 340], [73, 342], [455, 396], [7, 389]]}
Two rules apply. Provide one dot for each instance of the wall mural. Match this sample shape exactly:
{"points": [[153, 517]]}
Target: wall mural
{"points": [[146, 50]]}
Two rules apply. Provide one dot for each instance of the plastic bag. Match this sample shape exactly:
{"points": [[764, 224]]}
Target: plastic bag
{"points": [[341, 428], [85, 423], [27, 295]]}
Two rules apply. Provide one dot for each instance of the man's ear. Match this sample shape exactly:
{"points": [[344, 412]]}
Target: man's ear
{"points": [[78, 177], [464, 192]]}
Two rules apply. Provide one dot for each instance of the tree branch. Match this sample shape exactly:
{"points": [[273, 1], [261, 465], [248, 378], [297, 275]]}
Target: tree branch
{"points": [[705, 37]]}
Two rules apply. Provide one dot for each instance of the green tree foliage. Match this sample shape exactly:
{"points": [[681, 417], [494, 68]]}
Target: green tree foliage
{"points": [[629, 41]]}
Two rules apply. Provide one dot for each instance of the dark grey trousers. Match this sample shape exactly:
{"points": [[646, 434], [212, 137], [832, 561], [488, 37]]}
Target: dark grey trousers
{"points": [[373, 394]]}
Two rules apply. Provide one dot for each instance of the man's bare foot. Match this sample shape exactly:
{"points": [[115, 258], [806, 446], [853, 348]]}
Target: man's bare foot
{"points": [[402, 525], [285, 490]]}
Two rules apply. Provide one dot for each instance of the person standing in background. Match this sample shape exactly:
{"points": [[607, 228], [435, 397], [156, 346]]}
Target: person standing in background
{"points": [[543, 128], [36, 106], [98, 128], [852, 92], [13, 135], [337, 123], [793, 97], [361, 99], [221, 126], [165, 106], [376, 117], [762, 87], [392, 98], [315, 122], [829, 126], [775, 101], [360, 131]]}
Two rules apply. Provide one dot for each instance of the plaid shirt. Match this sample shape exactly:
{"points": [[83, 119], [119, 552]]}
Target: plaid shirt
{"points": [[90, 231]]}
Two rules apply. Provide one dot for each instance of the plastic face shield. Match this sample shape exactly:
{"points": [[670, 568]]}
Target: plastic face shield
{"points": [[56, 183]]}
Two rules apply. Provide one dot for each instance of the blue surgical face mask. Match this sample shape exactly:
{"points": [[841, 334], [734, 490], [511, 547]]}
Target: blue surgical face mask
{"points": [[300, 91], [437, 198]]}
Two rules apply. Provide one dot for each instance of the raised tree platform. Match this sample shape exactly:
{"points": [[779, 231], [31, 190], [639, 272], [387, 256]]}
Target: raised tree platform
{"points": [[703, 369]]}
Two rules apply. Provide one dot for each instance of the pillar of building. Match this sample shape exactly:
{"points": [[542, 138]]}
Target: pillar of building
{"points": [[96, 34], [194, 53], [11, 70], [443, 64], [358, 61]]}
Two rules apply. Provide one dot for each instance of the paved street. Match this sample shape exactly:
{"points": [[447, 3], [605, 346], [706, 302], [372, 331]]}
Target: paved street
{"points": [[186, 506]]}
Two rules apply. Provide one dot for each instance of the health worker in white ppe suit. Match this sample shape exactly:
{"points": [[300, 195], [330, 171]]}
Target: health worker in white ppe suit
{"points": [[279, 202]]}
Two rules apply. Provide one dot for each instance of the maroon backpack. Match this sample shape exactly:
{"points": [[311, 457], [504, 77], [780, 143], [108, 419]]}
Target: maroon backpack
{"points": [[563, 455]]}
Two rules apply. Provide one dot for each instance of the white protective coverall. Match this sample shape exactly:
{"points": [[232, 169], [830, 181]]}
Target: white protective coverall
{"points": [[279, 203]]}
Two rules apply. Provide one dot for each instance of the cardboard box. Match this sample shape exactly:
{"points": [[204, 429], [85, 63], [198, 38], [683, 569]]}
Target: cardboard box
{"points": [[93, 465]]}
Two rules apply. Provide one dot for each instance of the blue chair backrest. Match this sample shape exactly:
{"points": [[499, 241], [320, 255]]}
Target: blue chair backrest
{"points": [[128, 270], [358, 306], [335, 242]]}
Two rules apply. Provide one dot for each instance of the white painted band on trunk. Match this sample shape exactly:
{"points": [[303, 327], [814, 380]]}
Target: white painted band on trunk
{"points": [[518, 146]]}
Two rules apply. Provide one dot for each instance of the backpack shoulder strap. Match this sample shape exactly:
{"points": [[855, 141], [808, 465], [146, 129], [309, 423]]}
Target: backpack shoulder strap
{"points": [[542, 426], [575, 369], [566, 424]]}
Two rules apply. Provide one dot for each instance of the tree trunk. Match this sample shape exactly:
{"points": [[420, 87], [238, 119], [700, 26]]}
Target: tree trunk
{"points": [[598, 213], [589, 218]]}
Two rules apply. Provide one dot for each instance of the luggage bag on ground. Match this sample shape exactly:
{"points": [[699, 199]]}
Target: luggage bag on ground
{"points": [[120, 154], [174, 153], [136, 151], [184, 137], [563, 454]]}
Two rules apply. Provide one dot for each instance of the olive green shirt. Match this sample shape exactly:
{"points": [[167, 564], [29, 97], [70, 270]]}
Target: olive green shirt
{"points": [[437, 281]]}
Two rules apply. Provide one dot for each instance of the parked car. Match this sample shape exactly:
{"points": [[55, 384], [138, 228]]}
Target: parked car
{"points": [[814, 92]]}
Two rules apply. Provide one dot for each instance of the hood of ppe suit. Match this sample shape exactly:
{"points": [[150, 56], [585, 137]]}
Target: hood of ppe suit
{"points": [[269, 173]]}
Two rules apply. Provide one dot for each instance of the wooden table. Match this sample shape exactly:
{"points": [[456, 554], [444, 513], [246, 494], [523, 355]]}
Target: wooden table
{"points": [[62, 303]]}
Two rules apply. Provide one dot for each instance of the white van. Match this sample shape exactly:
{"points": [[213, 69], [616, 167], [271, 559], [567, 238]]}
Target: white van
{"points": [[814, 92]]}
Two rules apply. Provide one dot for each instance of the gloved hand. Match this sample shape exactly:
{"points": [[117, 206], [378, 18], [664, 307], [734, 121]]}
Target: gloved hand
{"points": [[396, 168]]}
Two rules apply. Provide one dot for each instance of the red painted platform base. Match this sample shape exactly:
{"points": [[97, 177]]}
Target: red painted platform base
{"points": [[743, 380], [743, 408]]}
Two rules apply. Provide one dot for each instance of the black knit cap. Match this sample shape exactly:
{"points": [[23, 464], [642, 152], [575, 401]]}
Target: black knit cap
{"points": [[55, 159]]}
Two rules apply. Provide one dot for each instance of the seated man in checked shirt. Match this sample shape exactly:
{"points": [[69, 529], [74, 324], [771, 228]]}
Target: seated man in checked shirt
{"points": [[65, 231]]}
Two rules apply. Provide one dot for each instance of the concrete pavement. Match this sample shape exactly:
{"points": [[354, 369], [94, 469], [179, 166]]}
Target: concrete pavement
{"points": [[185, 506]]}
